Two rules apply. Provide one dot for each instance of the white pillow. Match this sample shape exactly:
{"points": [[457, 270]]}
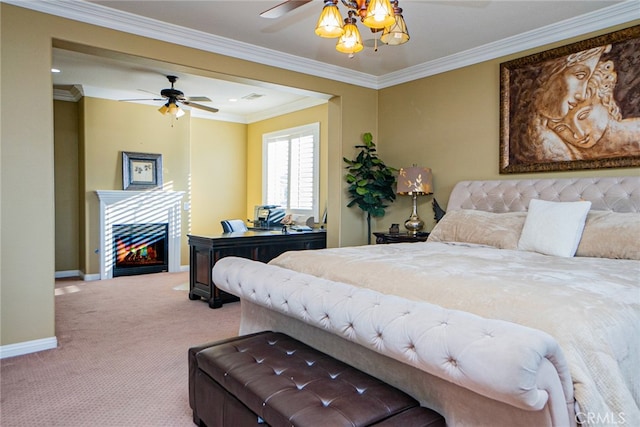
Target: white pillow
{"points": [[553, 228]]}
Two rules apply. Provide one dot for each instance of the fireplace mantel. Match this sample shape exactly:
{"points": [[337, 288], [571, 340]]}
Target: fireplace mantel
{"points": [[138, 207]]}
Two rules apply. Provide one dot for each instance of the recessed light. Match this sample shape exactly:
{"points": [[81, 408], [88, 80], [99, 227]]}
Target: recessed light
{"points": [[55, 70], [233, 99]]}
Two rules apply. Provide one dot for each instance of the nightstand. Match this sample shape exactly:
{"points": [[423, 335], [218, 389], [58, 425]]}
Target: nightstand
{"points": [[383, 238]]}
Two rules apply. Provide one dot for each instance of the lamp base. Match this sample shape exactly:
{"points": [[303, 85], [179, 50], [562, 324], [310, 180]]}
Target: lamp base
{"points": [[414, 224]]}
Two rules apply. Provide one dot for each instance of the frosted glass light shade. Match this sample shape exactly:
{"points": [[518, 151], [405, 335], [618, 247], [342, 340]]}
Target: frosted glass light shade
{"points": [[397, 33], [172, 109], [330, 22], [379, 14], [350, 41]]}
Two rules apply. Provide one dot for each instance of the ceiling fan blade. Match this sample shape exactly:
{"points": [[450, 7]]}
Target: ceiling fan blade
{"points": [[201, 107], [283, 8], [148, 91], [143, 99], [198, 99]]}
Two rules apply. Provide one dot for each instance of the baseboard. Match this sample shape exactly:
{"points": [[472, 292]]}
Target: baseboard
{"points": [[67, 273], [18, 349]]}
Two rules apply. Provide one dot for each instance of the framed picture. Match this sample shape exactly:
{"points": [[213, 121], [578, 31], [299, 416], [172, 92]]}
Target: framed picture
{"points": [[573, 107], [141, 171]]}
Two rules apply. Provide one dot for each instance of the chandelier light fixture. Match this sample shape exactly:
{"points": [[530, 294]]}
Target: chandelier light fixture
{"points": [[378, 15]]}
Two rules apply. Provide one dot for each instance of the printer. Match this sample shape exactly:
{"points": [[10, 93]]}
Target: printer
{"points": [[268, 216]]}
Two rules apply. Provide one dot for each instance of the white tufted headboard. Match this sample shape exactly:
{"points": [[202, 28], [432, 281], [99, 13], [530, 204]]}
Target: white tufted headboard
{"points": [[619, 194]]}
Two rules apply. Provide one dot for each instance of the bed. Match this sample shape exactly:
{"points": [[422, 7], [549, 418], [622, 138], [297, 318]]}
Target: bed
{"points": [[522, 308]]}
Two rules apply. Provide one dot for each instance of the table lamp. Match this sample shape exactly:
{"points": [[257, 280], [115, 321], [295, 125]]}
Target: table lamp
{"points": [[414, 181]]}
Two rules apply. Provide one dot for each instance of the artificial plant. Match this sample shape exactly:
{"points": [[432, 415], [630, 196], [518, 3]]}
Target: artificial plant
{"points": [[371, 182]]}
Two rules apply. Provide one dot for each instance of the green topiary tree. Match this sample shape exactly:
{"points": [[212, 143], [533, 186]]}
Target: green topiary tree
{"points": [[370, 182]]}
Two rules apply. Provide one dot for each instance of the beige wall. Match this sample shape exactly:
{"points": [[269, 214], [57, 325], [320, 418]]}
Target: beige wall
{"points": [[111, 127], [254, 155], [450, 123], [67, 237], [27, 160], [218, 175]]}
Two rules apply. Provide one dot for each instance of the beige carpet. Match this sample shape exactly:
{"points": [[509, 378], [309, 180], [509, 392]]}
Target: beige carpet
{"points": [[122, 355]]}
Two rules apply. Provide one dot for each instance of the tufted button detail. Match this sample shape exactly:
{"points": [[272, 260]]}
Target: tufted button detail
{"points": [[444, 323], [452, 361]]}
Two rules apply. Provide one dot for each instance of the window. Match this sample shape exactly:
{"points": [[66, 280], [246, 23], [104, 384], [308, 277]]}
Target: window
{"points": [[290, 169]]}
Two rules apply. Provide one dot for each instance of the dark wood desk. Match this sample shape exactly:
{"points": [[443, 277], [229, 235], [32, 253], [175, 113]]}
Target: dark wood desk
{"points": [[205, 251]]}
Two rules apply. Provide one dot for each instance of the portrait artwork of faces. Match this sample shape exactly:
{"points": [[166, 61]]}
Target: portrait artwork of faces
{"points": [[582, 106]]}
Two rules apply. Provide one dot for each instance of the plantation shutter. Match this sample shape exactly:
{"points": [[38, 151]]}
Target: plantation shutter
{"points": [[291, 169]]}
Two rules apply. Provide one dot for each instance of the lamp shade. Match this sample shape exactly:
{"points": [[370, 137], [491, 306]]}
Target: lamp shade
{"points": [[350, 41], [171, 108], [397, 33], [330, 22], [379, 14], [414, 180]]}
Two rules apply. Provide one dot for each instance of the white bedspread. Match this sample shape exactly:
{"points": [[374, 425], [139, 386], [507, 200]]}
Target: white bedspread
{"points": [[590, 305]]}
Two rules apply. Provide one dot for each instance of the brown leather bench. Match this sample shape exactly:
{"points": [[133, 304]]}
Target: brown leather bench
{"points": [[272, 379]]}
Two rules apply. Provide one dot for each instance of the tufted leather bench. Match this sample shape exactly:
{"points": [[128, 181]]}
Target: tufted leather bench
{"points": [[269, 378]]}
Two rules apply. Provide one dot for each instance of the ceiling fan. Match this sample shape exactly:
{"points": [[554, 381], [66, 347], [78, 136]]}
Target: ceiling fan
{"points": [[283, 8], [173, 97]]}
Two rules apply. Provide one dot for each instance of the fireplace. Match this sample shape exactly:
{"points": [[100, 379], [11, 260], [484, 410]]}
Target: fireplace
{"points": [[140, 249], [139, 208]]}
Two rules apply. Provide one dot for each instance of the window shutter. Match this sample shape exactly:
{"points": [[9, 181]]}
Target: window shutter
{"points": [[291, 169]]}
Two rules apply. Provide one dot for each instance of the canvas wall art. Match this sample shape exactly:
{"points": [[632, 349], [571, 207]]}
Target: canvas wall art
{"points": [[573, 107]]}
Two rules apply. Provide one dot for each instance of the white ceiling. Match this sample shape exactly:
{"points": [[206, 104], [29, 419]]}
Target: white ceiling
{"points": [[444, 35]]}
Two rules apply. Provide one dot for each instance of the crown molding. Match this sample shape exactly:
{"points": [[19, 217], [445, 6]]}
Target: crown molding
{"points": [[95, 14], [71, 93], [285, 109]]}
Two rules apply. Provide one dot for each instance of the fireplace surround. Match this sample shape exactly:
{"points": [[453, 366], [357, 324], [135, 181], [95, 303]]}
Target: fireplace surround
{"points": [[118, 207]]}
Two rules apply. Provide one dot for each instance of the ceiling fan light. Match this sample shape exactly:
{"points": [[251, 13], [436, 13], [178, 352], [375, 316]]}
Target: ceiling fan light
{"points": [[173, 109], [396, 34], [164, 109], [379, 14], [351, 41], [330, 22], [179, 112]]}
